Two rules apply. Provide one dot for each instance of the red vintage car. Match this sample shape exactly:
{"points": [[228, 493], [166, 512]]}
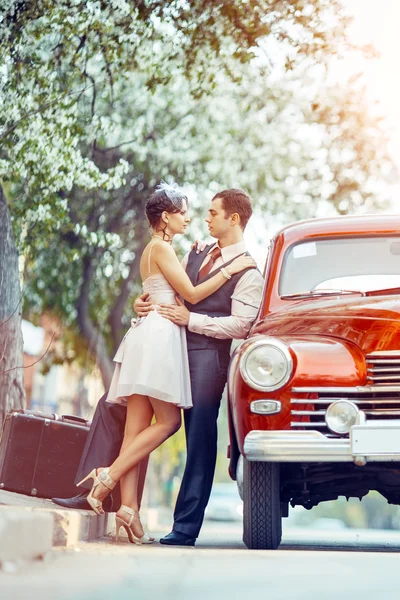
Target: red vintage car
{"points": [[314, 391]]}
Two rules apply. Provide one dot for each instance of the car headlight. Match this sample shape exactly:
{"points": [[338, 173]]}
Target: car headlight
{"points": [[341, 416], [266, 365]]}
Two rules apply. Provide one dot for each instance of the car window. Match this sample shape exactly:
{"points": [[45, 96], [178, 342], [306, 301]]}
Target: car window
{"points": [[350, 263]]}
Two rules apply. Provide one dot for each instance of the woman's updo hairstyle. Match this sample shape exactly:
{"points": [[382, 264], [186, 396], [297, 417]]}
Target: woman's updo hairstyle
{"points": [[165, 198]]}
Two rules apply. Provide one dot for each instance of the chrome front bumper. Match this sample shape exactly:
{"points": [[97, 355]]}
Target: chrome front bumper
{"points": [[375, 441]]}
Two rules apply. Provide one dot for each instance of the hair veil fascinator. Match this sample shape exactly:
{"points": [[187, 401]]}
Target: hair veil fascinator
{"points": [[173, 192]]}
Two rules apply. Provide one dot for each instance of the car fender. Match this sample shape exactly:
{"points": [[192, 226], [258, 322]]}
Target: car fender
{"points": [[317, 361]]}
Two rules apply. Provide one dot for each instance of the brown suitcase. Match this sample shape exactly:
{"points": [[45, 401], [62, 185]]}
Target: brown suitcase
{"points": [[40, 454]]}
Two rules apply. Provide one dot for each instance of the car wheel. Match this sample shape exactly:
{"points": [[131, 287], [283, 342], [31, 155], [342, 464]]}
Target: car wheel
{"points": [[262, 519]]}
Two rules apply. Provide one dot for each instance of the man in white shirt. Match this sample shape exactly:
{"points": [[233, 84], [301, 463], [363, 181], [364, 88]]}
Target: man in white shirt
{"points": [[211, 326], [244, 307]]}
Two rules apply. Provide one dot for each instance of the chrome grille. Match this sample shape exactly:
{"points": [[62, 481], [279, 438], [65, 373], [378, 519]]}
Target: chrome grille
{"points": [[383, 367], [378, 402]]}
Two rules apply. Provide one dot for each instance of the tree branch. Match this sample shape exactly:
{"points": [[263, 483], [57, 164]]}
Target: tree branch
{"points": [[87, 328], [116, 147], [116, 312], [108, 68], [32, 364], [40, 109]]}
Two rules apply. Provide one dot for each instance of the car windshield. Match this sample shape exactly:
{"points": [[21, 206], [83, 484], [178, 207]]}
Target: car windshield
{"points": [[341, 264]]}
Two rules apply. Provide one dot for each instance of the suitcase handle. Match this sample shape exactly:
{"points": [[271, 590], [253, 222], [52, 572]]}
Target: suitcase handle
{"points": [[34, 413], [75, 419]]}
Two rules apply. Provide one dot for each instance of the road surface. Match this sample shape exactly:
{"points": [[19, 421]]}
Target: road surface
{"points": [[343, 564]]}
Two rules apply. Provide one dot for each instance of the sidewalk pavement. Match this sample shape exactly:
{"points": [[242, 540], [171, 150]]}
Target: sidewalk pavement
{"points": [[30, 526]]}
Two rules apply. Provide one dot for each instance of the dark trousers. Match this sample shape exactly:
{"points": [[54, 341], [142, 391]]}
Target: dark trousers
{"points": [[104, 440], [208, 372]]}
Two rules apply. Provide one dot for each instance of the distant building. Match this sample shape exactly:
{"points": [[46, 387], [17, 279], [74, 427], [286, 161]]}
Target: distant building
{"points": [[33, 344], [63, 389]]}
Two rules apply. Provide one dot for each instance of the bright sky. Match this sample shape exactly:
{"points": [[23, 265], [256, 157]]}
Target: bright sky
{"points": [[376, 22]]}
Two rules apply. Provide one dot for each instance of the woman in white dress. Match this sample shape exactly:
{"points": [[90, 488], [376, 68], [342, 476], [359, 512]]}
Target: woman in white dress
{"points": [[152, 372]]}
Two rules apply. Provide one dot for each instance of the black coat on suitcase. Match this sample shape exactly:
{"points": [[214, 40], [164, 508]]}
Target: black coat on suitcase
{"points": [[39, 454]]}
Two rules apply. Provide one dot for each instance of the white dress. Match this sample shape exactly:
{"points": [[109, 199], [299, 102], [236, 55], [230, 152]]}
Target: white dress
{"points": [[152, 358]]}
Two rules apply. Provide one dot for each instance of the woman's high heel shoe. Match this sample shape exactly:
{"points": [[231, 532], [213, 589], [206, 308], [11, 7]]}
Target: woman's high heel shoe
{"points": [[104, 478], [127, 525]]}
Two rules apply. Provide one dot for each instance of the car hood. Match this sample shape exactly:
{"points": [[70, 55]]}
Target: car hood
{"points": [[373, 323]]}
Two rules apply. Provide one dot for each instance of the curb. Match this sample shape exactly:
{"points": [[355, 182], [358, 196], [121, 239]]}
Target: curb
{"points": [[68, 526], [24, 535]]}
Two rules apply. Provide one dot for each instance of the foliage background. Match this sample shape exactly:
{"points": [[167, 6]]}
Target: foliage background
{"points": [[100, 100]]}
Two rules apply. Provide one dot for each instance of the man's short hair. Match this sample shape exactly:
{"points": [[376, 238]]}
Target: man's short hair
{"points": [[236, 201]]}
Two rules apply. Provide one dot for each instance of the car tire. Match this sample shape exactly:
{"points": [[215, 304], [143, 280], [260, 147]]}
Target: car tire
{"points": [[262, 519]]}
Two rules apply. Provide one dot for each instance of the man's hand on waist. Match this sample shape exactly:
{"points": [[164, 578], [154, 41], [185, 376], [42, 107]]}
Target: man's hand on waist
{"points": [[142, 306], [177, 313]]}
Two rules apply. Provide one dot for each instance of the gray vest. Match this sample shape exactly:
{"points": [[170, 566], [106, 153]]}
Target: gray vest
{"points": [[216, 305]]}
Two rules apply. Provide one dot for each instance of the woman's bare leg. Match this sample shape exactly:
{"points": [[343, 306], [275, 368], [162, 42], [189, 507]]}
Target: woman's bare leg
{"points": [[168, 421], [132, 483]]}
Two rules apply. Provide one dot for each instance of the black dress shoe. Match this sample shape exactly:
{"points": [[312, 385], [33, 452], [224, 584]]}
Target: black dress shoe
{"points": [[80, 502], [176, 538]]}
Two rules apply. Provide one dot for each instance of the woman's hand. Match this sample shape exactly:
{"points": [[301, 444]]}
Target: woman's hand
{"points": [[142, 306], [240, 264], [200, 245]]}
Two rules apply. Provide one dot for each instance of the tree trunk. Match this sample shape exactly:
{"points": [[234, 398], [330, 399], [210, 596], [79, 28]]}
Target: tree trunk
{"points": [[88, 329], [12, 393], [115, 317]]}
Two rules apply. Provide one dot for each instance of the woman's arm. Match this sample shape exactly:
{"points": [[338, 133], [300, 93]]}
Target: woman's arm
{"points": [[168, 263]]}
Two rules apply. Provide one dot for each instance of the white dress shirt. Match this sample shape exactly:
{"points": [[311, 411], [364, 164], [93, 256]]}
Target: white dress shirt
{"points": [[246, 300]]}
